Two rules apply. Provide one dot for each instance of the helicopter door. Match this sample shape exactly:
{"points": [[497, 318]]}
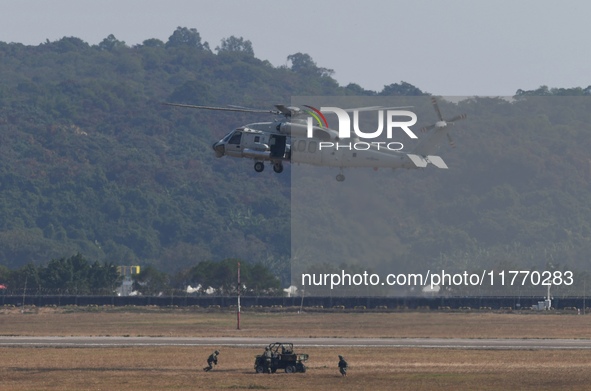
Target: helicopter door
{"points": [[233, 147], [277, 143]]}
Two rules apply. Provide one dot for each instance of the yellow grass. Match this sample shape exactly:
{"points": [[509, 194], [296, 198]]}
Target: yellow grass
{"points": [[199, 323], [174, 368], [167, 368]]}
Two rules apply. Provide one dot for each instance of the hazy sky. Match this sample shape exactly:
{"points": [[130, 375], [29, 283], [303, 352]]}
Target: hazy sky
{"points": [[451, 47]]}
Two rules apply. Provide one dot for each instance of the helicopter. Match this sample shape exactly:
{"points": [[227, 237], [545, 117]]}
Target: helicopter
{"points": [[294, 138]]}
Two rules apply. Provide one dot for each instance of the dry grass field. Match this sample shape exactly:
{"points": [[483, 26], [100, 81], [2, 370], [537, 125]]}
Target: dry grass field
{"points": [[166, 368], [122, 321], [169, 368]]}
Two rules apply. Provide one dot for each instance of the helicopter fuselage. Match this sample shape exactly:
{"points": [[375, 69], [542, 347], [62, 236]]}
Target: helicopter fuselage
{"points": [[295, 139], [266, 142]]}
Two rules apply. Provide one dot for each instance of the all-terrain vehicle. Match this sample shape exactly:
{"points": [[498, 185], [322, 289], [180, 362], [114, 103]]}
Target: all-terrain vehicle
{"points": [[282, 357]]}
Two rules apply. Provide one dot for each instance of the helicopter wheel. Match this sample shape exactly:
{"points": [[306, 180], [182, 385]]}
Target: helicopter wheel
{"points": [[278, 167], [259, 166], [340, 178]]}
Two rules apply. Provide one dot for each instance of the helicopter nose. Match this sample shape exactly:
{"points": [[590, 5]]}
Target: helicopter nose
{"points": [[219, 149]]}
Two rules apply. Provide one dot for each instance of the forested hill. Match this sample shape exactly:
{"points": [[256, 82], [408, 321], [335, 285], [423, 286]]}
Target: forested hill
{"points": [[91, 162]]}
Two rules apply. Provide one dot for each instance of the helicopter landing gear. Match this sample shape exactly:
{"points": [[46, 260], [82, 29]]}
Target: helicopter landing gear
{"points": [[259, 166], [278, 167]]}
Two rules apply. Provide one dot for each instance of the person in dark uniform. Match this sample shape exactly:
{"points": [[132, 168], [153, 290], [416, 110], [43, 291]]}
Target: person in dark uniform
{"points": [[211, 361], [268, 355], [343, 366]]}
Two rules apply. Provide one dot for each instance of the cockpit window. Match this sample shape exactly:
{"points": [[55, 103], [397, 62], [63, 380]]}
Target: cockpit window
{"points": [[235, 139], [232, 133]]}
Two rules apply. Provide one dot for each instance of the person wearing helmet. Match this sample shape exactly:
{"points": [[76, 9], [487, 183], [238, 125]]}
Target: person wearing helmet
{"points": [[211, 361], [268, 355], [343, 366]]}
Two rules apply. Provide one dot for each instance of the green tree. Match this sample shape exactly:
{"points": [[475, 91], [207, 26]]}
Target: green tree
{"points": [[25, 277], [236, 45], [68, 44], [255, 279], [303, 63], [103, 278], [186, 37], [402, 89], [153, 43], [150, 281], [58, 275], [75, 275], [111, 43], [193, 92], [262, 281]]}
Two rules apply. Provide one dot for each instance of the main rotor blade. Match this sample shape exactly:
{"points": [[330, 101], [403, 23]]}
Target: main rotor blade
{"points": [[287, 111], [221, 108], [434, 101], [451, 142], [457, 118], [372, 108]]}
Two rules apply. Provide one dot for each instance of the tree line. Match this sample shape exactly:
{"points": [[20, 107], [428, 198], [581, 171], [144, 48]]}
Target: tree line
{"points": [[76, 275]]}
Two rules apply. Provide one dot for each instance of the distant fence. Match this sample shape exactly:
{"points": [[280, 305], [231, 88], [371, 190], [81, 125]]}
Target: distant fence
{"points": [[370, 303]]}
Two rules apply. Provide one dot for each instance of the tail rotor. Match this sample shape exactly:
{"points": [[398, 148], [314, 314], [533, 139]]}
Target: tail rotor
{"points": [[442, 123], [438, 132]]}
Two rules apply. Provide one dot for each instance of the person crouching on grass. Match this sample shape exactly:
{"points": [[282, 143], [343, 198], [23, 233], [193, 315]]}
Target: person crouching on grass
{"points": [[211, 361]]}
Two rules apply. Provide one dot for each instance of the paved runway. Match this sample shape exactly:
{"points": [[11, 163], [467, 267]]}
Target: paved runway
{"points": [[451, 343]]}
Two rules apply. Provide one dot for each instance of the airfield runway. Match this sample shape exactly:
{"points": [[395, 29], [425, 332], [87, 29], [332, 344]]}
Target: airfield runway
{"points": [[442, 343]]}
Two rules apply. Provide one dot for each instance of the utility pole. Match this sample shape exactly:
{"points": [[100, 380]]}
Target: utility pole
{"points": [[24, 294], [238, 311]]}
